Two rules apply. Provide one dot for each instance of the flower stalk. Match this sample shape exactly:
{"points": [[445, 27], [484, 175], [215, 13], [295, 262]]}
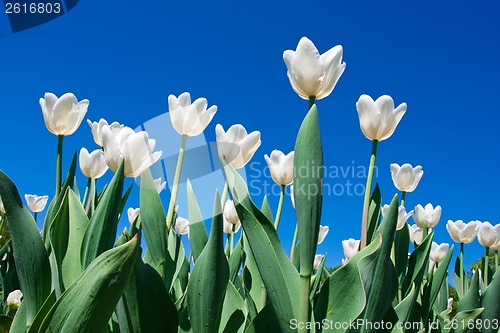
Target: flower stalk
{"points": [[175, 185], [60, 139], [368, 189], [280, 208]]}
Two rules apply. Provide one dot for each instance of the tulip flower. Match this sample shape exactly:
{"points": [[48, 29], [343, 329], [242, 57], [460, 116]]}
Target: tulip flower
{"points": [[402, 215], [317, 260], [417, 234], [93, 165], [133, 214], [281, 167], [160, 186], [351, 247], [312, 74], [236, 145], [96, 128], [188, 118], [427, 217], [14, 299], [230, 215], [36, 203], [378, 119], [181, 226], [438, 251], [228, 227], [450, 303], [323, 231], [406, 177], [2, 208], [344, 261], [463, 233], [63, 115], [136, 149], [488, 235]]}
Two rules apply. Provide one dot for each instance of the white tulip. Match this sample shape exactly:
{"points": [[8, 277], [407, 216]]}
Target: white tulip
{"points": [[227, 227], [188, 118], [378, 119], [96, 128], [462, 232], [181, 226], [344, 261], [488, 235], [280, 166], [406, 177], [450, 303], [402, 215], [438, 251], [230, 214], [323, 231], [310, 73], [160, 186], [93, 164], [496, 246], [36, 203], [428, 216], [133, 214], [417, 234], [63, 115], [14, 299], [350, 247], [317, 260], [236, 145], [136, 149]]}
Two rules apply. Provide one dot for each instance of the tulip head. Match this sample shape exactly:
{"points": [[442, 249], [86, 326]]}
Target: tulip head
{"points": [[160, 186], [181, 226], [317, 260], [230, 215], [93, 164], [488, 235], [36, 203], [378, 119], [63, 115], [438, 251], [14, 299], [96, 128], [310, 73], [236, 145], [462, 232], [428, 216], [406, 177], [281, 167], [350, 247], [229, 227], [402, 215], [133, 214], [323, 231], [188, 118], [417, 234]]}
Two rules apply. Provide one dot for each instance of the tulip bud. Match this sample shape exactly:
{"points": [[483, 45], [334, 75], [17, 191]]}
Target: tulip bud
{"points": [[438, 251], [310, 73], [14, 299], [323, 231], [402, 215], [450, 303], [181, 226], [488, 235], [228, 227], [189, 119], [462, 232], [378, 119], [133, 214], [96, 128], [63, 115], [236, 145], [280, 166], [428, 216], [317, 260], [351, 247], [417, 234], [159, 185], [230, 214], [36, 203], [406, 177], [93, 164]]}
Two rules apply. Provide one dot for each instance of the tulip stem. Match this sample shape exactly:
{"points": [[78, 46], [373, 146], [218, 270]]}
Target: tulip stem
{"points": [[280, 208], [59, 163], [496, 260], [92, 194], [231, 248], [486, 266], [224, 194], [462, 286], [34, 216], [175, 185], [403, 198], [368, 190], [294, 241], [312, 99], [86, 192], [303, 315]]}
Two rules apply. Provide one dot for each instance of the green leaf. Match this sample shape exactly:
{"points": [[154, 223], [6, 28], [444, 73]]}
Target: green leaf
{"points": [[401, 250], [465, 318], [374, 214], [252, 279], [266, 321], [233, 312], [405, 307], [5, 322], [417, 265], [266, 209], [32, 263], [235, 261], [472, 298], [88, 303], [101, 233], [197, 229], [308, 188], [208, 280], [490, 296]]}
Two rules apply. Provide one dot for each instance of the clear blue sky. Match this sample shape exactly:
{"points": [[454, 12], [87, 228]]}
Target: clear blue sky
{"points": [[440, 58]]}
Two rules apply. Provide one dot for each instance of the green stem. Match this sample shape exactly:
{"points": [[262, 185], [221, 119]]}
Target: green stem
{"points": [[312, 99], [232, 240], [403, 198], [461, 291], [86, 192], [368, 189], [280, 208], [93, 194], [59, 163], [34, 216], [224, 195], [486, 266], [175, 185], [294, 241], [496, 260], [303, 315]]}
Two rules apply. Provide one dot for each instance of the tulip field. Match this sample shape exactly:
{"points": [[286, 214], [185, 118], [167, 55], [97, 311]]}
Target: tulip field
{"points": [[77, 271]]}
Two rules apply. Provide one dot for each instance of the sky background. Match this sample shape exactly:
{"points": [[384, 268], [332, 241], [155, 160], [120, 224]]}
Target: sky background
{"points": [[441, 58]]}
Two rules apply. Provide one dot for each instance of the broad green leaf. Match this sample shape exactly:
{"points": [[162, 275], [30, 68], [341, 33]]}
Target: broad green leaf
{"points": [[197, 229], [464, 319], [40, 316], [472, 298], [266, 209], [233, 312], [87, 305], [266, 321], [32, 263], [374, 214], [101, 233], [490, 303], [401, 250], [317, 280], [235, 261], [181, 268], [19, 321], [208, 280], [405, 307], [252, 279], [5, 322], [308, 188], [417, 265]]}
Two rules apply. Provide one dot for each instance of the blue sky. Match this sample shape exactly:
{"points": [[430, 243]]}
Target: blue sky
{"points": [[441, 59]]}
